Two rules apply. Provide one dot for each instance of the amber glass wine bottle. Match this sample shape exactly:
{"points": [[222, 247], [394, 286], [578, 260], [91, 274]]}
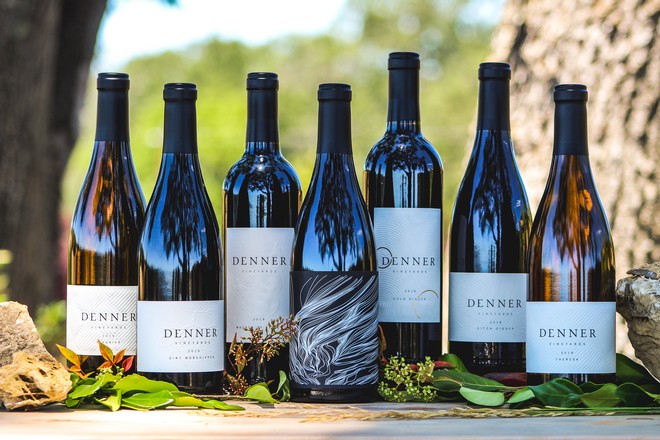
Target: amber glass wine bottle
{"points": [[571, 307], [102, 287]]}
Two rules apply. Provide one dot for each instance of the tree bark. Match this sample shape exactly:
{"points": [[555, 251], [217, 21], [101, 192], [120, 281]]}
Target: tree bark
{"points": [[46, 48], [613, 47]]}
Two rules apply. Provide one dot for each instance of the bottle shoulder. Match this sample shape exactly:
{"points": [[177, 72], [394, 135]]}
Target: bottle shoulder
{"points": [[402, 149], [261, 172]]}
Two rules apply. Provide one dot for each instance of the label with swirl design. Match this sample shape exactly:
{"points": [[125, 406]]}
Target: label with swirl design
{"points": [[336, 343]]}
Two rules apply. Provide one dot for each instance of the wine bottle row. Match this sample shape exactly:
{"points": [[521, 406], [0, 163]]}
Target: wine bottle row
{"points": [[535, 297]]}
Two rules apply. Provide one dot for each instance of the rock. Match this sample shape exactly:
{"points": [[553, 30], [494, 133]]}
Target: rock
{"points": [[31, 381], [29, 376], [638, 301]]}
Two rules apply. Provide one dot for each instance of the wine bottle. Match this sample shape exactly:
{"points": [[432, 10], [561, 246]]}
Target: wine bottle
{"points": [[334, 281], [181, 307], [403, 187], [490, 229], [262, 198], [102, 276], [571, 308]]}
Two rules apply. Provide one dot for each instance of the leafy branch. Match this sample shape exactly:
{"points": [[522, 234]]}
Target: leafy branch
{"points": [[429, 382], [110, 387]]}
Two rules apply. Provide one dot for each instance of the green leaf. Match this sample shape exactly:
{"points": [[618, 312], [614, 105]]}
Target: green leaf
{"points": [[521, 395], [86, 389], [483, 398], [633, 395], [137, 382], [455, 361], [590, 387], [283, 388], [219, 404], [628, 370], [468, 380], [183, 399], [558, 392], [446, 385], [260, 393], [603, 397], [113, 401], [147, 401], [72, 403]]}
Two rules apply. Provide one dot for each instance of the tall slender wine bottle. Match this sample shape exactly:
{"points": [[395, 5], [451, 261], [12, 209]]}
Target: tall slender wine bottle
{"points": [[334, 282], [102, 287], [571, 308], [262, 198], [181, 307], [489, 241], [403, 185]]}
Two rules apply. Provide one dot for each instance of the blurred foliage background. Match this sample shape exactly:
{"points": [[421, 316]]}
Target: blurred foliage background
{"points": [[451, 36]]}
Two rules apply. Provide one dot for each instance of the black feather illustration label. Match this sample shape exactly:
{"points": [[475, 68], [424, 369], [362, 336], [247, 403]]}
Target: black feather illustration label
{"points": [[336, 343]]}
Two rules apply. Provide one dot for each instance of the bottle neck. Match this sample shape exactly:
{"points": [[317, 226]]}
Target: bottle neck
{"points": [[112, 116], [403, 105], [493, 112], [334, 134], [571, 128], [262, 135], [180, 127]]}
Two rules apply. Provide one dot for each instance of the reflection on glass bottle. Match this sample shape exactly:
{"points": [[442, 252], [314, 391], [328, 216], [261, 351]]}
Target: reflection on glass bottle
{"points": [[334, 283], [102, 259], [489, 241], [403, 187], [180, 325], [571, 307], [262, 198]]}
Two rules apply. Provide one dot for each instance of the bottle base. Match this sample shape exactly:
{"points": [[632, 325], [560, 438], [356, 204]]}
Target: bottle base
{"points": [[540, 378], [334, 395]]}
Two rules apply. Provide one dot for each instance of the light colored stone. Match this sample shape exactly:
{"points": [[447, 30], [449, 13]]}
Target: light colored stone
{"points": [[31, 381], [29, 376], [638, 301], [17, 332]]}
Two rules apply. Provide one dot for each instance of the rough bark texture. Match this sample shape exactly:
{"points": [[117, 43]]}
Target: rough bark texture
{"points": [[46, 51], [613, 47]]}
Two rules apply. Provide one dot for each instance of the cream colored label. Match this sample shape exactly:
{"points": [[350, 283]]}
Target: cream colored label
{"points": [[101, 313]]}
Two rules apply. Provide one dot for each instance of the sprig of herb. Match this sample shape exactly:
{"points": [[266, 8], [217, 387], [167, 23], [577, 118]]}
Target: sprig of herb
{"points": [[110, 387], [261, 345]]}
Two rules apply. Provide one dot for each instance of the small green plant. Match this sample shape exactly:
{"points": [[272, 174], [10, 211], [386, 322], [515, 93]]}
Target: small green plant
{"points": [[110, 387]]}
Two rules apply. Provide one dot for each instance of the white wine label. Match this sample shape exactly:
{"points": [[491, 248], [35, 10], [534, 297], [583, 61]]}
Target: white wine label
{"points": [[258, 266], [101, 313], [408, 242], [571, 337], [180, 336], [336, 343], [487, 307]]}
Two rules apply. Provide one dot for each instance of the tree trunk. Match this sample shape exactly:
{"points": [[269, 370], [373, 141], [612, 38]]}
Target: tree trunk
{"points": [[46, 48], [613, 47]]}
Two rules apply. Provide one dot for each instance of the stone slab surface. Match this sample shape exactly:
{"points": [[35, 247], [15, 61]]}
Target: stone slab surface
{"points": [[305, 421]]}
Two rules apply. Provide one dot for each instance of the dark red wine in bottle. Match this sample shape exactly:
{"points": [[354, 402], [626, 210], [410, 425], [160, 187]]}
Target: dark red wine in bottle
{"points": [[262, 198], [102, 287], [571, 309], [489, 240], [181, 307], [403, 186], [334, 282]]}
